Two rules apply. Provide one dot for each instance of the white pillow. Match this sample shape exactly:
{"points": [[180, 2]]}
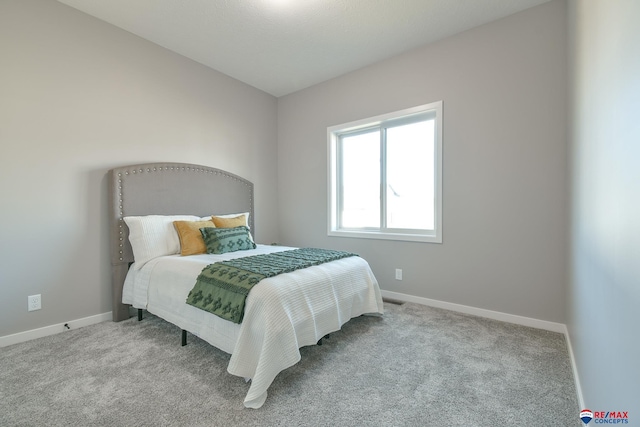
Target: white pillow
{"points": [[152, 236]]}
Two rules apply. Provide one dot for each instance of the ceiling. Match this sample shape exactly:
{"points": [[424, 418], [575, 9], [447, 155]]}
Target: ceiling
{"points": [[281, 46]]}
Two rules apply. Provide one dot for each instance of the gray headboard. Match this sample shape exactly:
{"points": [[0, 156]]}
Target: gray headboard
{"points": [[166, 189]]}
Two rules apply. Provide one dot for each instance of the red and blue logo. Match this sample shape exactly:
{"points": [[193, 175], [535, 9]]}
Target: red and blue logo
{"points": [[602, 417], [586, 416]]}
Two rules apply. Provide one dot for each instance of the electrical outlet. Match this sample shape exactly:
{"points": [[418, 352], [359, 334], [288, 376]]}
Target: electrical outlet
{"points": [[34, 302], [398, 274]]}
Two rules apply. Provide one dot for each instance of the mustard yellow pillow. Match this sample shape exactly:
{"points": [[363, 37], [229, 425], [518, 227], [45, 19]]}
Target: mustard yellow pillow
{"points": [[191, 241], [223, 222]]}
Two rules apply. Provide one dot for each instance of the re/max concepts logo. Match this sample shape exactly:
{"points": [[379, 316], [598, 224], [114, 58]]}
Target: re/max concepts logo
{"points": [[601, 417]]}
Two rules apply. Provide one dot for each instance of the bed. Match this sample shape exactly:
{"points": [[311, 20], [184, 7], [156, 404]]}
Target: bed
{"points": [[282, 313]]}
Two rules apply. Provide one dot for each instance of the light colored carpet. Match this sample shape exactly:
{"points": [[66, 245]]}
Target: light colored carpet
{"points": [[416, 366]]}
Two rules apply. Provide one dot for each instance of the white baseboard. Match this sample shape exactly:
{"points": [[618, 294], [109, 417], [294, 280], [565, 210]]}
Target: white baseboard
{"points": [[490, 314], [496, 315], [574, 368], [53, 329]]}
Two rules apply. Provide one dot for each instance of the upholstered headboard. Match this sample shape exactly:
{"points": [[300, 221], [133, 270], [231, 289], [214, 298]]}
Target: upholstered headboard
{"points": [[166, 189]]}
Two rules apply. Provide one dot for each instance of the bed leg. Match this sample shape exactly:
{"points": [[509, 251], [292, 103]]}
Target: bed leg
{"points": [[139, 314], [184, 337], [326, 336]]}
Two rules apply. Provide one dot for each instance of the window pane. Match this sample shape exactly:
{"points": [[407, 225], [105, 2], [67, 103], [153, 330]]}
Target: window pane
{"points": [[361, 180], [410, 176]]}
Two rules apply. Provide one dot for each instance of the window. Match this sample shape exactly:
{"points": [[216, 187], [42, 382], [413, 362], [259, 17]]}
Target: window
{"points": [[385, 176]]}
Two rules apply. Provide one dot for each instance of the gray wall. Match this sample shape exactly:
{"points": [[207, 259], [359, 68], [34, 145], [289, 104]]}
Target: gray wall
{"points": [[604, 290], [505, 154], [77, 97]]}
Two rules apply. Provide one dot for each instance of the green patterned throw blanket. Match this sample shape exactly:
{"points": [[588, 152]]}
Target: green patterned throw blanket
{"points": [[222, 287]]}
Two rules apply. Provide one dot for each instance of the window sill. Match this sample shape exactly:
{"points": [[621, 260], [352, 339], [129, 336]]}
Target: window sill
{"points": [[423, 238]]}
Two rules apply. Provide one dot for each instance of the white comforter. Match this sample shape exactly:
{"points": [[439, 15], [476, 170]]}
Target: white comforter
{"points": [[282, 313]]}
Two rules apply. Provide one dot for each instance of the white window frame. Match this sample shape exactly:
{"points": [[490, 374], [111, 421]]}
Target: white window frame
{"points": [[333, 135]]}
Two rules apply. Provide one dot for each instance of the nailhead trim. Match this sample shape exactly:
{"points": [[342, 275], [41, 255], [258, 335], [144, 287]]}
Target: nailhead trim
{"points": [[160, 169]]}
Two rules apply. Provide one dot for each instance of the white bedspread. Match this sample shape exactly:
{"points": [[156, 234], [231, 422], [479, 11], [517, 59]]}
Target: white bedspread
{"points": [[282, 313]]}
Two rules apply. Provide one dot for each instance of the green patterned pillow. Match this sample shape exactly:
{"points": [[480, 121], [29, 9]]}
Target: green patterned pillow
{"points": [[223, 240]]}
